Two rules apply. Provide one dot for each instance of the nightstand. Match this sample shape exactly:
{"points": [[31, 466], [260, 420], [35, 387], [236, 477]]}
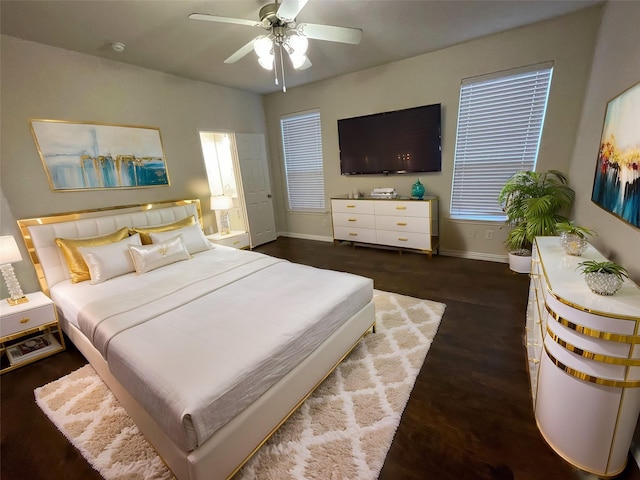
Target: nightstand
{"points": [[235, 239], [28, 331]]}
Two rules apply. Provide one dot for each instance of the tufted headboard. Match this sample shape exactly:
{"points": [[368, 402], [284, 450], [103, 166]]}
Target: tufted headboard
{"points": [[39, 233]]}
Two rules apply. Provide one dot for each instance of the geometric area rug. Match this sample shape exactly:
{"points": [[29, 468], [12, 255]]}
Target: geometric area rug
{"points": [[342, 431]]}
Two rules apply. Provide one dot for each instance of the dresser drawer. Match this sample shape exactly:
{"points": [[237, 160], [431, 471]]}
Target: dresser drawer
{"points": [[234, 239], [353, 206], [354, 234], [354, 220], [12, 323], [418, 241], [402, 224], [403, 209]]}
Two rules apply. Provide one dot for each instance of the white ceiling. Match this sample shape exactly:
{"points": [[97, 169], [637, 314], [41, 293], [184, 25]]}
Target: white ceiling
{"points": [[159, 35]]}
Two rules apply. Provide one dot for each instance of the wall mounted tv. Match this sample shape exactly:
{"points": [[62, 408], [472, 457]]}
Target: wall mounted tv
{"points": [[401, 141]]}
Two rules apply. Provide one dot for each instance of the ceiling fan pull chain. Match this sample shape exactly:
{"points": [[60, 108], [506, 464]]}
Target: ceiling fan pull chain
{"points": [[284, 87]]}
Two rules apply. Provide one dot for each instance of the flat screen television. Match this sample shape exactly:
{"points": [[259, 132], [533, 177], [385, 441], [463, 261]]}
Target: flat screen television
{"points": [[401, 141]]}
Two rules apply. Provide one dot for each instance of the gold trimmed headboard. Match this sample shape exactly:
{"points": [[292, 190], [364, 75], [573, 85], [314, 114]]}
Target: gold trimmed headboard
{"points": [[39, 233]]}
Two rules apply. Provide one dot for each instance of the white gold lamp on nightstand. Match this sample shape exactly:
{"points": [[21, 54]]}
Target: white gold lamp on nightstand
{"points": [[9, 253], [222, 204]]}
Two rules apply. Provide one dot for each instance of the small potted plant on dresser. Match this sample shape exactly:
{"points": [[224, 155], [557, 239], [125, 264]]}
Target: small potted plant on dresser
{"points": [[603, 277], [573, 238], [532, 203]]}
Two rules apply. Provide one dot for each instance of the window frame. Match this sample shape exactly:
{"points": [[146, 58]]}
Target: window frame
{"points": [[518, 142], [289, 144]]}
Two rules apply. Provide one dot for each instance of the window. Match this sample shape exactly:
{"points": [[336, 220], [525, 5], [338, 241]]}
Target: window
{"points": [[500, 122], [302, 146], [218, 162]]}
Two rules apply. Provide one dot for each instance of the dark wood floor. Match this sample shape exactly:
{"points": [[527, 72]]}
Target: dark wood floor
{"points": [[469, 415]]}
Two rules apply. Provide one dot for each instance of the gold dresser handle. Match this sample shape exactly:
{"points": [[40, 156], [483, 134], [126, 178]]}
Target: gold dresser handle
{"points": [[402, 224], [24, 320], [401, 208], [351, 219], [403, 239], [353, 234], [351, 206]]}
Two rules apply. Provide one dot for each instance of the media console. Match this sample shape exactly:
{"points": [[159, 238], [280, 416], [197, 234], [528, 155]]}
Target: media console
{"points": [[400, 223]]}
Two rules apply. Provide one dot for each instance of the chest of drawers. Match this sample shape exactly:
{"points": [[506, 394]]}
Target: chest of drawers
{"points": [[405, 224]]}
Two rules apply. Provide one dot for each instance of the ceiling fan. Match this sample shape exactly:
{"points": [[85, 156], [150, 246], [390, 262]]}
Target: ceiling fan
{"points": [[283, 34]]}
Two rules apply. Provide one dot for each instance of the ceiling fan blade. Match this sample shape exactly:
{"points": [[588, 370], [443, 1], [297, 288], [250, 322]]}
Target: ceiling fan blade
{"points": [[331, 33], [289, 9], [215, 18], [241, 52]]}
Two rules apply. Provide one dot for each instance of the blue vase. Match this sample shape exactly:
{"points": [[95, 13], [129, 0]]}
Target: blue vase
{"points": [[417, 190]]}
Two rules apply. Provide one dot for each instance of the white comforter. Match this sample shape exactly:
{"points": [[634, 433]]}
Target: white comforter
{"points": [[197, 341]]}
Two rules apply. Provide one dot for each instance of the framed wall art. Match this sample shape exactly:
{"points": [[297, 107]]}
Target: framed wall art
{"points": [[86, 156], [616, 186]]}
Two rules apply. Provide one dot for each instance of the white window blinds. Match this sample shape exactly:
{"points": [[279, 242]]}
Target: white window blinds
{"points": [[302, 146], [500, 121]]}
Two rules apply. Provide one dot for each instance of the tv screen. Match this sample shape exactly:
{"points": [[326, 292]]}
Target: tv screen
{"points": [[402, 141]]}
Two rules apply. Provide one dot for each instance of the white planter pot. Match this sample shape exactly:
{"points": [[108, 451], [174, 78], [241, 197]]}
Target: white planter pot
{"points": [[520, 263]]}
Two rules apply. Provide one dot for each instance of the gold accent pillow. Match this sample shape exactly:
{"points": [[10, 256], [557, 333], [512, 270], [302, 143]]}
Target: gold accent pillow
{"points": [[149, 257], [145, 231], [77, 267]]}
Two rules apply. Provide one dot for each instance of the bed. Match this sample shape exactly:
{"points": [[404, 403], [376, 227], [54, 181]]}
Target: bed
{"points": [[208, 348]]}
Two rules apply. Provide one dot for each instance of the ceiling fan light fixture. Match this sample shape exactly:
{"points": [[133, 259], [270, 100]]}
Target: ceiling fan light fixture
{"points": [[266, 61], [298, 43], [297, 59], [263, 46]]}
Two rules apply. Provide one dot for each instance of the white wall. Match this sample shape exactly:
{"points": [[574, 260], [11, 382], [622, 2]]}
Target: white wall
{"points": [[435, 78], [39, 81], [616, 67]]}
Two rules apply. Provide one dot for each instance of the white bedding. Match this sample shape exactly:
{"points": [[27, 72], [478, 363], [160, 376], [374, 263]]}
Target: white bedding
{"points": [[197, 341]]}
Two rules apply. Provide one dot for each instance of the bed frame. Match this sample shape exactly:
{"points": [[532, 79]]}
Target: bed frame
{"points": [[224, 453]]}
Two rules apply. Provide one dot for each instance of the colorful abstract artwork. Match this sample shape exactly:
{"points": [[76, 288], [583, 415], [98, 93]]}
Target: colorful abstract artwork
{"points": [[81, 156], [616, 186]]}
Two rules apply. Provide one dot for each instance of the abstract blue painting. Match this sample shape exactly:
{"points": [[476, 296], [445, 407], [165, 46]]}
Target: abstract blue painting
{"points": [[616, 186], [81, 156]]}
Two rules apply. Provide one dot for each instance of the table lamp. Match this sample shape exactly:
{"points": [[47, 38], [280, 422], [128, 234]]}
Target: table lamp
{"points": [[9, 253], [222, 204]]}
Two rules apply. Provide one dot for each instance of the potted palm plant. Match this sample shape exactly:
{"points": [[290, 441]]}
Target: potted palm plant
{"points": [[603, 277], [533, 202], [573, 238]]}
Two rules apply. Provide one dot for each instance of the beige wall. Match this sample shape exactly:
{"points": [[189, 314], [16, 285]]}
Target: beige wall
{"points": [[616, 67], [435, 78], [44, 82]]}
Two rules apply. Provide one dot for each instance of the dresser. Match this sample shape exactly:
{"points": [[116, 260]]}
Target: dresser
{"points": [[584, 361], [403, 224]]}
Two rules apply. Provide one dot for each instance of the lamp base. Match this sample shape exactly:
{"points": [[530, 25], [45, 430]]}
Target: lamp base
{"points": [[17, 301]]}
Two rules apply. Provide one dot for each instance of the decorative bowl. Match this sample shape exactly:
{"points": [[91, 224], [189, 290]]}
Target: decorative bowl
{"points": [[603, 283], [573, 244]]}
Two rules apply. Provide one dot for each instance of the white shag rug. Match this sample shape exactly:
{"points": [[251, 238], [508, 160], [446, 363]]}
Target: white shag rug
{"points": [[342, 431]]}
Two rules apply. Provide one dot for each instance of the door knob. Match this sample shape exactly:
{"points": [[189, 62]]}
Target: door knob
{"points": [[269, 195]]}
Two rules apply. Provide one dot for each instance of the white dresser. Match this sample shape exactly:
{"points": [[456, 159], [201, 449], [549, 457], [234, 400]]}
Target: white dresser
{"points": [[584, 361], [405, 224]]}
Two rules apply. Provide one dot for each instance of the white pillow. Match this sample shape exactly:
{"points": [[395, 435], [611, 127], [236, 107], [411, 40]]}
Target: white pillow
{"points": [[193, 238], [149, 257], [111, 260]]}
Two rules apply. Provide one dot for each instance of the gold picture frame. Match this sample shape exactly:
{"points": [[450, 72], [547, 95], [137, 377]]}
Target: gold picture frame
{"points": [[98, 156]]}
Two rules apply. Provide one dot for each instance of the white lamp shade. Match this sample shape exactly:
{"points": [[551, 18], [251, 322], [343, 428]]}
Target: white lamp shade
{"points": [[9, 252], [266, 62], [299, 44], [297, 60], [221, 202], [263, 46]]}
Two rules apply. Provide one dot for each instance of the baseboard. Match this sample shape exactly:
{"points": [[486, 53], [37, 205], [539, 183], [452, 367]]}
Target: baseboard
{"points": [[304, 236], [488, 257]]}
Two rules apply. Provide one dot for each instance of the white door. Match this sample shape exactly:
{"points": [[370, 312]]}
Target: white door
{"points": [[254, 172]]}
